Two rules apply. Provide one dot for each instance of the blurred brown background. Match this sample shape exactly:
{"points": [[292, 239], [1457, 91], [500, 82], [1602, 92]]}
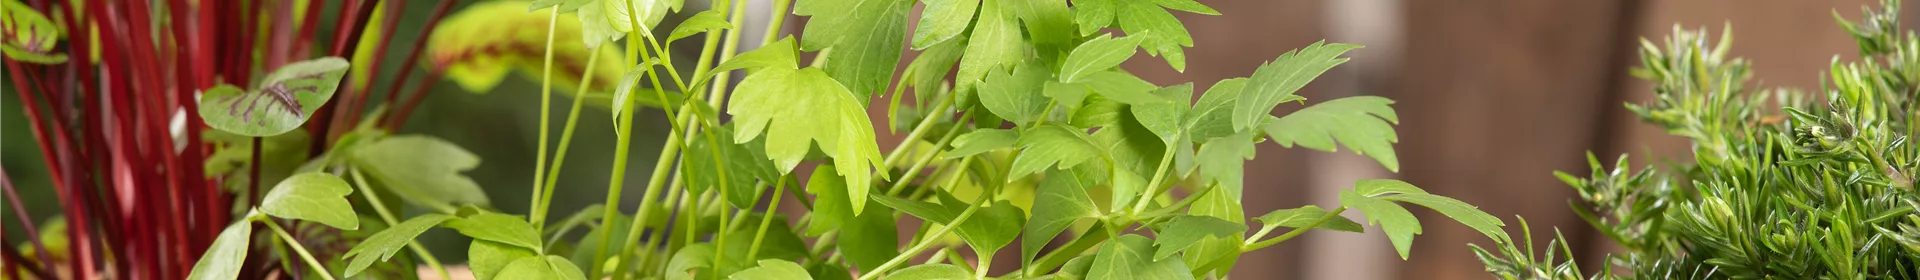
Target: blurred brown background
{"points": [[1493, 96]]}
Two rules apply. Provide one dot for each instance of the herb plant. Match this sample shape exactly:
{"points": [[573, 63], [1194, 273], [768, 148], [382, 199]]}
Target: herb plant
{"points": [[1810, 190], [1020, 127]]}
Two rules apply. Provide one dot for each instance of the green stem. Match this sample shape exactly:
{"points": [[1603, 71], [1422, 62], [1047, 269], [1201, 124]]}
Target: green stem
{"points": [[616, 182], [366, 192], [1060, 256], [538, 218], [778, 17], [766, 219], [918, 130], [928, 157], [931, 238], [986, 261], [1183, 203], [566, 136], [661, 168], [299, 250], [1249, 245], [1153, 186]]}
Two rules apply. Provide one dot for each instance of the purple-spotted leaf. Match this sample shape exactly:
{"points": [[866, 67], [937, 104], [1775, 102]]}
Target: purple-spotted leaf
{"points": [[281, 102], [29, 35]]}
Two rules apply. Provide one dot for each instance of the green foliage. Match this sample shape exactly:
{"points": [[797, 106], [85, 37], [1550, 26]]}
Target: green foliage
{"points": [[30, 36], [1779, 185], [317, 197], [1039, 137], [279, 103], [227, 255]]}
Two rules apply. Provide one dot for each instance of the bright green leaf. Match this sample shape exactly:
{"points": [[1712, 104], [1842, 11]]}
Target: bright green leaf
{"points": [[312, 196], [281, 102], [1275, 82], [1183, 231], [1052, 145], [780, 55], [1049, 23], [382, 245], [1362, 123], [991, 227], [423, 170], [830, 205], [981, 141], [688, 259], [865, 36], [707, 21], [1212, 116], [1223, 161], [487, 258], [624, 92], [938, 271], [1187, 6], [1014, 94], [1465, 213], [928, 211], [496, 227], [650, 13], [1092, 15], [1122, 87], [773, 270], [1099, 54], [1131, 257], [1304, 216], [1163, 118], [995, 43], [227, 255], [1165, 35], [943, 20], [1399, 224], [1061, 201], [798, 107], [741, 166], [31, 36], [541, 267]]}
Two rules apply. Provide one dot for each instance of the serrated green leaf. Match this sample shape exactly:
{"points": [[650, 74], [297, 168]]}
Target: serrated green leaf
{"points": [[312, 196], [1099, 54], [1098, 112], [830, 205], [943, 20], [797, 107], [1163, 118], [703, 22], [1092, 15], [1276, 81], [1211, 117], [423, 170], [1219, 204], [938, 271], [1222, 161], [487, 258], [1165, 35], [1057, 146], [566, 6], [1380, 187], [1122, 87], [281, 102], [1071, 96], [1061, 201], [1187, 6], [981, 141], [381, 246], [30, 35], [773, 270], [1131, 257], [227, 255], [870, 239], [541, 267], [624, 92], [1399, 224], [929, 69], [780, 55], [865, 36], [1462, 212], [1183, 231], [1362, 123], [1305, 215], [1049, 23], [594, 27], [1015, 94], [995, 43], [927, 211], [496, 227]]}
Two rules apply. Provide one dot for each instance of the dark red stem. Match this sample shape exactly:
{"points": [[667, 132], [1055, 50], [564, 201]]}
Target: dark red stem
{"points": [[413, 57]]}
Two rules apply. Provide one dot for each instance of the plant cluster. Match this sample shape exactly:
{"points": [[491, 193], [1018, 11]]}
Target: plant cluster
{"points": [[1781, 186], [1020, 127]]}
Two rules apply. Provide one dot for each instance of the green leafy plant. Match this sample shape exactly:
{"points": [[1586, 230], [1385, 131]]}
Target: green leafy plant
{"points": [[1810, 190], [1037, 137]]}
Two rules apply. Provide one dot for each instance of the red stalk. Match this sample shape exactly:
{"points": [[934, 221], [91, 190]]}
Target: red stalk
{"points": [[347, 116], [12, 258], [26, 221], [345, 39], [419, 94], [413, 57], [81, 248]]}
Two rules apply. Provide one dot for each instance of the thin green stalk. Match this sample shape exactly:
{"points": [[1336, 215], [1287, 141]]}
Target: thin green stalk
{"points": [[705, 63], [566, 135], [366, 192], [928, 158], [924, 243], [1060, 256], [778, 17], [986, 261], [673, 197], [539, 217], [661, 168], [918, 130], [1153, 186], [773, 205], [616, 182], [300, 250], [1249, 245]]}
